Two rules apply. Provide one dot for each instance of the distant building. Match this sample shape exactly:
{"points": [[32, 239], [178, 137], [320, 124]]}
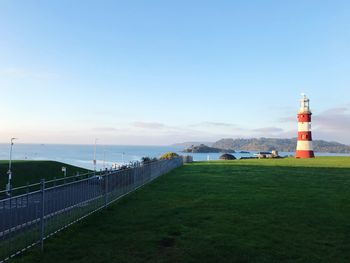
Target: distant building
{"points": [[274, 153], [263, 155]]}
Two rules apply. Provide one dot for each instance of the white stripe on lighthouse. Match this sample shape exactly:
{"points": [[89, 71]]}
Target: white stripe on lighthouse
{"points": [[304, 126], [304, 146]]}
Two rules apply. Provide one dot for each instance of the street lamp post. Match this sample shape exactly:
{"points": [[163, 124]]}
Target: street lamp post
{"points": [[64, 170], [104, 159], [9, 173], [95, 162]]}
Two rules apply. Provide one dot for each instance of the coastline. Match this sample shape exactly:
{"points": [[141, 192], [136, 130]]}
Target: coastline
{"points": [[107, 155]]}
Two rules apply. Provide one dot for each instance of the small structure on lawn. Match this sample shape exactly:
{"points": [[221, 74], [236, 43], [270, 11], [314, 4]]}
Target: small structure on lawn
{"points": [[274, 154], [263, 155]]}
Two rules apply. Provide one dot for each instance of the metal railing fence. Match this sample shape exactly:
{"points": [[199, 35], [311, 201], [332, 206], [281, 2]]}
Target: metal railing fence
{"points": [[41, 210]]}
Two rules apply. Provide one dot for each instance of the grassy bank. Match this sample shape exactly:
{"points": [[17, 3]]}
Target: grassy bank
{"points": [[284, 210], [24, 172]]}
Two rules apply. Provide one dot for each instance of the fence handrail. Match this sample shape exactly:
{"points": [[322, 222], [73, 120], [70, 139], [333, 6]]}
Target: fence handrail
{"points": [[101, 172]]}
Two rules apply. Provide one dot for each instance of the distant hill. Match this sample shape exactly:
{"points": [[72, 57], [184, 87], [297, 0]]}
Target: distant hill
{"points": [[189, 144], [282, 145], [205, 149]]}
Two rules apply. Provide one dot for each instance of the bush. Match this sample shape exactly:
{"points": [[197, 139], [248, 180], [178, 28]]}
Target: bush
{"points": [[146, 159], [168, 155], [227, 156]]}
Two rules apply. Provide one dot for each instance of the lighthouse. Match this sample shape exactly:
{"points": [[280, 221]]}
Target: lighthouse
{"points": [[304, 144]]}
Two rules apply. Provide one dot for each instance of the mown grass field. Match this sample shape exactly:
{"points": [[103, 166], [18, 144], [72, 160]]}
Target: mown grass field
{"points": [[285, 210], [24, 172]]}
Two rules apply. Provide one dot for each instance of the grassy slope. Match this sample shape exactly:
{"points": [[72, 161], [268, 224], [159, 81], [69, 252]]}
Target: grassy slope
{"points": [[242, 211], [33, 171]]}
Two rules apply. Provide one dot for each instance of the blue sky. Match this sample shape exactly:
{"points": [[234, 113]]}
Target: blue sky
{"points": [[160, 72]]}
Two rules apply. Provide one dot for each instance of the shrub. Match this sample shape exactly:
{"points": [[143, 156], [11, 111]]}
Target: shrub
{"points": [[146, 159], [227, 156], [123, 167], [168, 155]]}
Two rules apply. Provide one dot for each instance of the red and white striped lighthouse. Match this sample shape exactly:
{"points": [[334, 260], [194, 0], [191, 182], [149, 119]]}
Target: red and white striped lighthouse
{"points": [[304, 145]]}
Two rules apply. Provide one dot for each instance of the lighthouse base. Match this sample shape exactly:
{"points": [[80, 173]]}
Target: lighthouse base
{"points": [[304, 154]]}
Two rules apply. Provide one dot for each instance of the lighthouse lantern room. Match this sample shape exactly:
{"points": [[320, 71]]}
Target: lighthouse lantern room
{"points": [[304, 143]]}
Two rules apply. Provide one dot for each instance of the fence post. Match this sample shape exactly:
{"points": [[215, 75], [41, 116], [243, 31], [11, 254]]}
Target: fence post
{"points": [[134, 177], [42, 215], [27, 200], [106, 189]]}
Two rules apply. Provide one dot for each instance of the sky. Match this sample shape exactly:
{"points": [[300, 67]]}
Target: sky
{"points": [[162, 72]]}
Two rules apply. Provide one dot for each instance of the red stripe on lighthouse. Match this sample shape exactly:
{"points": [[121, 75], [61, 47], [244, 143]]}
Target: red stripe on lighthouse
{"points": [[304, 117], [304, 154], [304, 136]]}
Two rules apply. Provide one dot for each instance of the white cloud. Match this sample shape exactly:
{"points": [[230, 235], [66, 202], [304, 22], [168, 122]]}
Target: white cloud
{"points": [[108, 130], [332, 124], [148, 125], [268, 130], [213, 124]]}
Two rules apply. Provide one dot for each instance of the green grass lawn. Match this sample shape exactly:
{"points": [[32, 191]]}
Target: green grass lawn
{"points": [[24, 172], [286, 210]]}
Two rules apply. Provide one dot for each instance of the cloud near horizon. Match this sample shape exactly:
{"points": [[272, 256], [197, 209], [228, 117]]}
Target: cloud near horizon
{"points": [[148, 125], [268, 130], [213, 124], [107, 129], [332, 125]]}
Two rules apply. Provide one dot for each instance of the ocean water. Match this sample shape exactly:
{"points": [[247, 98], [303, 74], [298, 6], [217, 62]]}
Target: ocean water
{"points": [[106, 155], [83, 155]]}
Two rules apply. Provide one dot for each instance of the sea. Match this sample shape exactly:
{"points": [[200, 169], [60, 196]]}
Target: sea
{"points": [[106, 155]]}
